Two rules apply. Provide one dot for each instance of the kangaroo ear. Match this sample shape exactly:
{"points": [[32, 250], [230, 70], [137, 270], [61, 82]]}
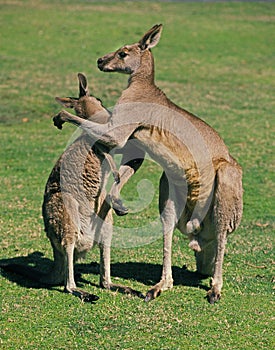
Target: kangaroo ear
{"points": [[83, 85], [151, 38], [67, 102]]}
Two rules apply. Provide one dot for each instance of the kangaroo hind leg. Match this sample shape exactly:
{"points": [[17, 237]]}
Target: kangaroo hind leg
{"points": [[71, 230]]}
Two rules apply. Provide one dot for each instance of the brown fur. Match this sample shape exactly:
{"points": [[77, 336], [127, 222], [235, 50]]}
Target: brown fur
{"points": [[214, 191]]}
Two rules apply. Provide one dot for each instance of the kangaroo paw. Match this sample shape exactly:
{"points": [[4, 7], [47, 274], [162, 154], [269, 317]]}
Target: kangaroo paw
{"points": [[58, 122], [118, 207], [193, 226], [194, 245], [116, 176]]}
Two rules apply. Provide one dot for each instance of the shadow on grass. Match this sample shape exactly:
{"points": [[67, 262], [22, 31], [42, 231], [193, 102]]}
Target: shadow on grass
{"points": [[35, 264], [148, 274]]}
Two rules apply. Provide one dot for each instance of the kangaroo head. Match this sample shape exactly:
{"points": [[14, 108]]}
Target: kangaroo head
{"points": [[86, 106], [130, 58]]}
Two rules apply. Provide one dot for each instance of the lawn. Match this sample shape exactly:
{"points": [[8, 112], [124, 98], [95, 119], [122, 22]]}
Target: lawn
{"points": [[214, 59]]}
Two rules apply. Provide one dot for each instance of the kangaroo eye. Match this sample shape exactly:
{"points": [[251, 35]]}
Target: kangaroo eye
{"points": [[122, 54]]}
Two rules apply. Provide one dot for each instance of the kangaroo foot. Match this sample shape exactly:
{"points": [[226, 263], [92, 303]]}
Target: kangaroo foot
{"points": [[154, 292], [84, 296], [213, 295], [118, 207]]}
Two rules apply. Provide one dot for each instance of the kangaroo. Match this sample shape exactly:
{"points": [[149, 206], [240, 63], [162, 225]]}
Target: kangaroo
{"points": [[201, 186], [75, 211]]}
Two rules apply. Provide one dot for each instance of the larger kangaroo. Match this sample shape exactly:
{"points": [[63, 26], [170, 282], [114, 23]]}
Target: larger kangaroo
{"points": [[201, 187]]}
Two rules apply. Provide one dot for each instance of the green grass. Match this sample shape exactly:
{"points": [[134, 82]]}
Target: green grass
{"points": [[215, 59]]}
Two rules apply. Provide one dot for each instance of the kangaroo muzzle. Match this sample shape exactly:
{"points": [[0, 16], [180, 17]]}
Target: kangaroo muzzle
{"points": [[103, 61]]}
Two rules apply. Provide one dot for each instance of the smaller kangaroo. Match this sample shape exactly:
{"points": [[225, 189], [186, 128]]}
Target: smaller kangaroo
{"points": [[75, 211]]}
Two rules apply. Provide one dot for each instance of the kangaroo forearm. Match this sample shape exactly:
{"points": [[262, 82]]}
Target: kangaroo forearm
{"points": [[102, 133]]}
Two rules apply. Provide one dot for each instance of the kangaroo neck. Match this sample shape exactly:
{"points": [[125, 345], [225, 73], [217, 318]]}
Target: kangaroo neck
{"points": [[145, 73], [141, 84], [142, 79]]}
